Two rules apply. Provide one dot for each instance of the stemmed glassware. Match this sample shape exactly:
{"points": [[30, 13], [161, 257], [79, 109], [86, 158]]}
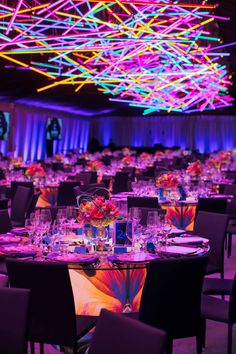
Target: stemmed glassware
{"points": [[133, 220], [71, 214]]}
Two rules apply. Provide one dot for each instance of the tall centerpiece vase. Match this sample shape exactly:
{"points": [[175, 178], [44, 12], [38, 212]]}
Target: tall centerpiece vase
{"points": [[99, 213]]}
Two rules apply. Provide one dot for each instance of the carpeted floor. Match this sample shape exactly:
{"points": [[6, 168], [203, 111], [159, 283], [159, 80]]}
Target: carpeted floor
{"points": [[216, 332]]}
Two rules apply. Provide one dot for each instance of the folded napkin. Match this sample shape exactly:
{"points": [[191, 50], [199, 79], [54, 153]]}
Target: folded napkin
{"points": [[180, 250]]}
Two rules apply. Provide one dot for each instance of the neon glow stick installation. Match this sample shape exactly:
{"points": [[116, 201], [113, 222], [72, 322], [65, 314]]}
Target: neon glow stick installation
{"points": [[156, 55]]}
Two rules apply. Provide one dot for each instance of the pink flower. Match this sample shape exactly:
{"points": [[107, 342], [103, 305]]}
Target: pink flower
{"points": [[35, 170], [94, 165], [98, 212], [195, 168], [168, 180]]}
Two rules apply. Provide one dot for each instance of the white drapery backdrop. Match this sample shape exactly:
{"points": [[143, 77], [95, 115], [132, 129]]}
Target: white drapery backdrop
{"points": [[203, 132]]}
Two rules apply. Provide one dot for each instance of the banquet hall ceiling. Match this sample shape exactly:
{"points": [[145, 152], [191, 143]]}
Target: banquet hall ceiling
{"points": [[22, 83]]}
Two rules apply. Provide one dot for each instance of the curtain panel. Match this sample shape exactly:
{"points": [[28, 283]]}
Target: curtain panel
{"points": [[203, 132]]}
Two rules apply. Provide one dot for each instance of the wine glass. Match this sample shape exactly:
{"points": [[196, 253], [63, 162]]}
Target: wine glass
{"points": [[71, 214], [153, 222], [61, 215], [30, 229], [135, 215]]}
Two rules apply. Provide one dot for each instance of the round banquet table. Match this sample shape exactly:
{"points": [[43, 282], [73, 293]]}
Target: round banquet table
{"points": [[114, 286], [110, 281]]}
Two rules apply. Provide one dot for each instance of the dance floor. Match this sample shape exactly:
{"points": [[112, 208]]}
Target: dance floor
{"points": [[216, 332]]}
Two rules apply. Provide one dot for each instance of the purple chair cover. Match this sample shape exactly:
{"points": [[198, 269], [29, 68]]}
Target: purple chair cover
{"points": [[14, 310], [117, 334]]}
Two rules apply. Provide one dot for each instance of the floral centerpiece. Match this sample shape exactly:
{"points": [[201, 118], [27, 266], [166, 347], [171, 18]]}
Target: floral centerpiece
{"points": [[126, 151], [98, 212], [145, 156], [106, 152], [159, 155], [94, 165], [127, 160], [17, 161], [168, 153], [59, 157], [35, 170], [195, 168], [212, 163], [223, 156], [168, 180], [84, 155]]}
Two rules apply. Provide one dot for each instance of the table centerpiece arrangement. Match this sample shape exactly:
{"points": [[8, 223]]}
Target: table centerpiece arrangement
{"points": [[35, 172], [167, 183], [99, 213]]}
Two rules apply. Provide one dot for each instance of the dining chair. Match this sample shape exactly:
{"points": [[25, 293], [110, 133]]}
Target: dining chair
{"points": [[14, 310], [212, 205], [231, 230], [5, 221], [213, 226], [20, 204], [230, 189], [66, 196], [220, 310], [121, 182], [87, 177], [116, 334], [215, 286], [52, 311], [16, 184], [4, 203], [143, 202], [32, 204], [231, 174], [131, 171], [171, 297]]}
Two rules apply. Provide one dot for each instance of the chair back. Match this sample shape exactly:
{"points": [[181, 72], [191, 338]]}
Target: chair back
{"points": [[77, 191], [171, 297], [3, 203], [32, 204], [143, 202], [232, 303], [52, 311], [5, 222], [131, 171], [116, 334], [230, 189], [230, 174], [66, 195], [213, 226], [87, 177], [16, 184], [20, 205], [14, 310], [213, 205], [121, 182]]}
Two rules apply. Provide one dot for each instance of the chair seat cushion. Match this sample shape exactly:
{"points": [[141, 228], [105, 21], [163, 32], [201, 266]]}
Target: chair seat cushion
{"points": [[215, 286], [214, 309], [84, 324]]}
